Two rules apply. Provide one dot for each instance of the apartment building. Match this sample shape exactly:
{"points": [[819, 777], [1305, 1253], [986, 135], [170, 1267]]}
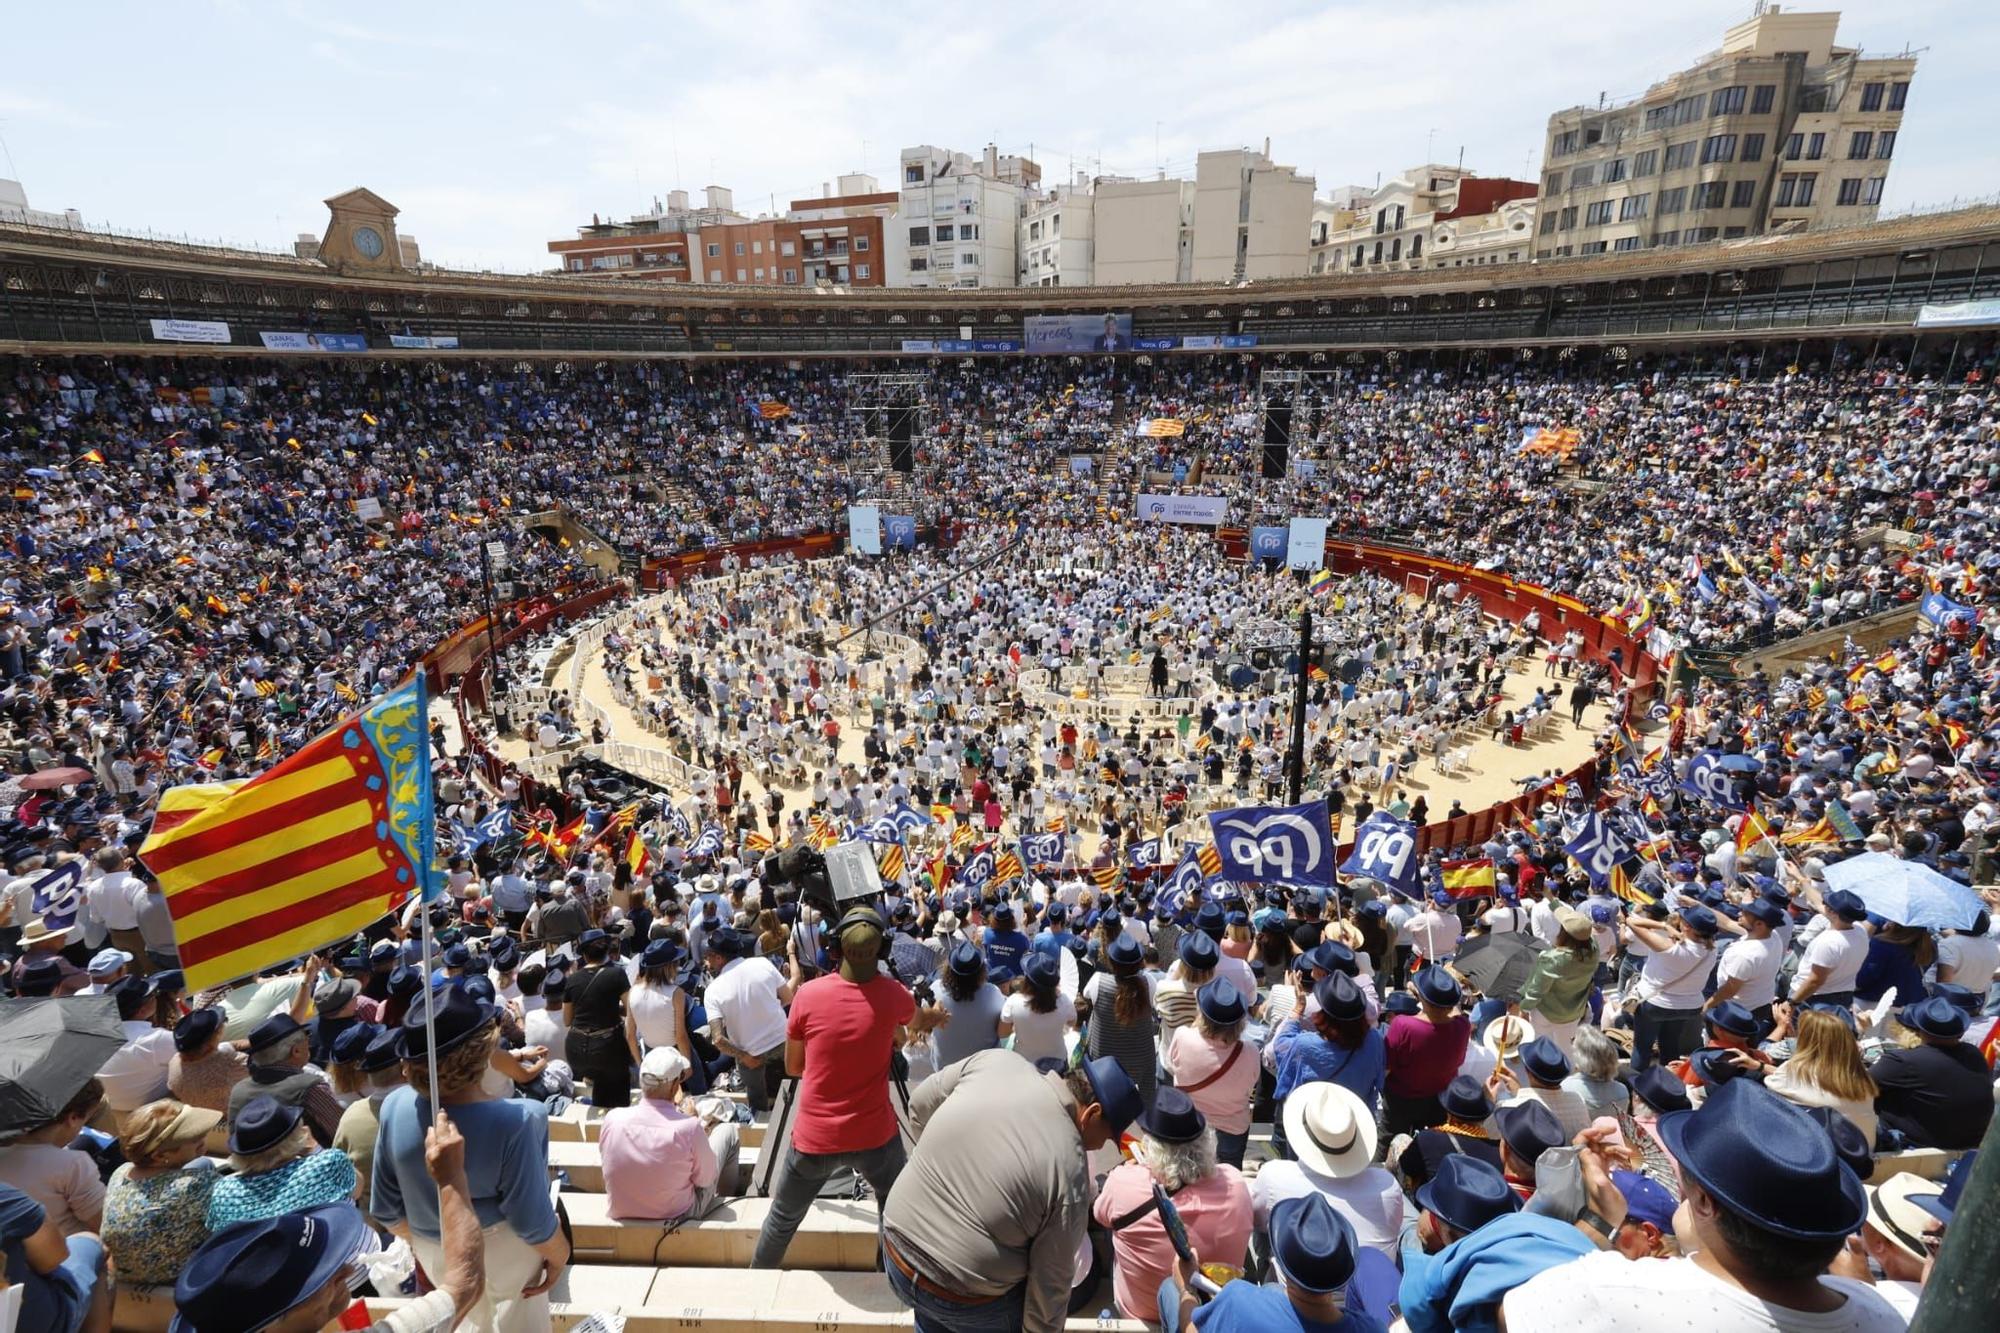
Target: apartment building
{"points": [[1056, 236], [658, 245], [1779, 130], [1143, 232], [1252, 217], [957, 220], [1432, 216]]}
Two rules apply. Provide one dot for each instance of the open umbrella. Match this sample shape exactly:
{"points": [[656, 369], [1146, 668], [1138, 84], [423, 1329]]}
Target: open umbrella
{"points": [[1498, 964], [48, 1049], [1909, 893], [50, 778], [1739, 763]]}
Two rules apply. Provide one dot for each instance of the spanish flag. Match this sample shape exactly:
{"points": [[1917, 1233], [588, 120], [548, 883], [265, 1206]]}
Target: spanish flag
{"points": [[369, 419], [1470, 878], [636, 855], [304, 855], [92, 456], [1751, 831], [216, 604]]}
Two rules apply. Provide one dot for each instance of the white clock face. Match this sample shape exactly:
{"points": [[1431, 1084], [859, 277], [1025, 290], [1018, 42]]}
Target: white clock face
{"points": [[368, 241]]}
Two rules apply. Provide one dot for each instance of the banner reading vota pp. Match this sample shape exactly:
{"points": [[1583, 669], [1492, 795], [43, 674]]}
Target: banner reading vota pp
{"points": [[1267, 543], [191, 330], [864, 529], [1078, 333], [1305, 544], [1205, 509]]}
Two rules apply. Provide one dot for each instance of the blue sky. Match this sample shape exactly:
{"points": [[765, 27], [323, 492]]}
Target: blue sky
{"points": [[499, 126]]}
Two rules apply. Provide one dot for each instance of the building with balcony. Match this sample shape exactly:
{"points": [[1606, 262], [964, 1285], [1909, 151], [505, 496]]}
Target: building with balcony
{"points": [[1432, 216], [652, 245], [1779, 130], [1055, 243], [958, 218], [841, 233]]}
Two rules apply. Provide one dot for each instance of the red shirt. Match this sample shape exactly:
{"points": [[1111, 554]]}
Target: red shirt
{"points": [[1424, 1056], [849, 1032]]}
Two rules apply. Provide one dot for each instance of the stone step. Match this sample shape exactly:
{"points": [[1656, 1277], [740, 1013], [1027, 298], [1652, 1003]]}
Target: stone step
{"points": [[586, 1168], [582, 1124], [838, 1236]]}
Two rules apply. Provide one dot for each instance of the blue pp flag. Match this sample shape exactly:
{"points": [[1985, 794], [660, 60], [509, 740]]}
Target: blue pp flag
{"points": [[978, 869], [1042, 849], [56, 896], [1385, 850], [1146, 854], [1938, 608], [1708, 780], [709, 843], [907, 819], [1183, 886], [881, 829], [1261, 844], [1596, 849]]}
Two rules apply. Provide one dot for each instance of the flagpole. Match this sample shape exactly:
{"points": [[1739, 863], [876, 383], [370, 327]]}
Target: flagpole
{"points": [[427, 885]]}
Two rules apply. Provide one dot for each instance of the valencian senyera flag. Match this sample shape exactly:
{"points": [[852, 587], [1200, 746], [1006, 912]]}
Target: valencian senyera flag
{"points": [[306, 853]]}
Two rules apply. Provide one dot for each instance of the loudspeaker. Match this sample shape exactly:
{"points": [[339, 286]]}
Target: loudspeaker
{"points": [[1277, 440], [901, 426]]}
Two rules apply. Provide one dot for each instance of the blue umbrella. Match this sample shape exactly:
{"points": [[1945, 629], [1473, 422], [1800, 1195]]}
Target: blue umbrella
{"points": [[1906, 892], [1739, 763]]}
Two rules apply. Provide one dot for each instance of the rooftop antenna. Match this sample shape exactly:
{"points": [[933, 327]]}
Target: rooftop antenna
{"points": [[1428, 138], [12, 172]]}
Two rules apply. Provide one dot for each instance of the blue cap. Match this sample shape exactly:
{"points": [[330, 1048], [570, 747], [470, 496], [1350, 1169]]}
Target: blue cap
{"points": [[1116, 1093]]}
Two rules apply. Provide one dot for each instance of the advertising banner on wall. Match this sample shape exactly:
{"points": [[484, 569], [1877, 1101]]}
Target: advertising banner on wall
{"points": [[1204, 509], [1267, 543], [1305, 545], [864, 529], [900, 530], [447, 340], [296, 341], [1078, 333], [1959, 314], [191, 330]]}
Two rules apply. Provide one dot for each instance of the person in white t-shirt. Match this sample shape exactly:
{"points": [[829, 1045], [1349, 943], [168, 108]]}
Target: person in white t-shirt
{"points": [[1766, 1209], [1748, 972], [1833, 958], [1969, 958]]}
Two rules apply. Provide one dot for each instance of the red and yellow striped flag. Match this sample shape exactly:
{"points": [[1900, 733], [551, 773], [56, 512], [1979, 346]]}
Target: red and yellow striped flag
{"points": [[1472, 878], [1007, 867], [1106, 877], [636, 855], [757, 842], [1751, 831], [303, 855], [889, 860], [1209, 859]]}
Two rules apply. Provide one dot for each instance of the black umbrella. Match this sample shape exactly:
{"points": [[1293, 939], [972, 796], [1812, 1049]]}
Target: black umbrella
{"points": [[49, 1048], [1498, 964]]}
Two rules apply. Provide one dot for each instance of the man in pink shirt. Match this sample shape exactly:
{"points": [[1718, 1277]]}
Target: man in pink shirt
{"points": [[1176, 1149], [658, 1164]]}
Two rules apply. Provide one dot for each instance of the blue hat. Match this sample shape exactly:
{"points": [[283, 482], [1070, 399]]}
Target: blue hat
{"points": [[1468, 1192], [1209, 917], [1849, 1143], [1440, 898], [352, 1042], [1961, 996], [1734, 1019], [262, 1123], [1172, 1118], [250, 1274], [1657, 1086], [1934, 1017], [1312, 1245], [1198, 951], [384, 1051], [1237, 919], [131, 993], [454, 1014], [583, 941], [1699, 919], [1438, 986], [1762, 909], [1001, 973], [405, 982], [1339, 998], [965, 961], [458, 955], [479, 988], [1124, 952], [40, 975], [1529, 1129], [659, 953], [1220, 1002], [1646, 1200], [1333, 956], [1764, 1159], [195, 1028], [1712, 1065], [1373, 907], [1003, 911], [1116, 1093], [504, 955], [1544, 1060], [1057, 914], [1400, 1004], [1845, 903], [1942, 1206], [1465, 1098], [272, 1031], [1042, 970]]}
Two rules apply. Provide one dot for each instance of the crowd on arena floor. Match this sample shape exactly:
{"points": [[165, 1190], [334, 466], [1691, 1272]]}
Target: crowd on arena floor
{"points": [[1665, 1107]]}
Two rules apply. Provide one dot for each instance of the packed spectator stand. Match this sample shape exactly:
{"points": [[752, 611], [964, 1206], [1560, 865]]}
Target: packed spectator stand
{"points": [[211, 562]]}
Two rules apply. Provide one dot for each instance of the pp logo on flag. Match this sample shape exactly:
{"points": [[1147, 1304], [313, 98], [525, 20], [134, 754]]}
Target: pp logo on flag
{"points": [[1290, 844], [1708, 780], [1385, 849], [1596, 849]]}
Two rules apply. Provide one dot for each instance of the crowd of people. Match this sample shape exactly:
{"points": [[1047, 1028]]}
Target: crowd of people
{"points": [[1667, 1110]]}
